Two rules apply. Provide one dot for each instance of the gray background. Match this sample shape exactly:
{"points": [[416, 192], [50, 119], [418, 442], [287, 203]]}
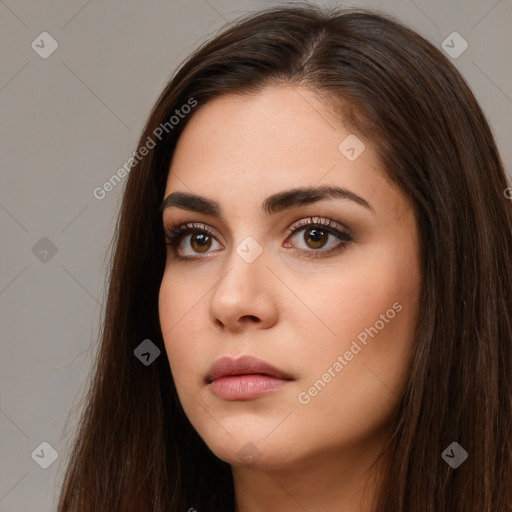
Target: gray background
{"points": [[68, 122]]}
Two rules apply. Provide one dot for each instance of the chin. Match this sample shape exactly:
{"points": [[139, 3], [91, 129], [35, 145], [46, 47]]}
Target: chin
{"points": [[250, 452]]}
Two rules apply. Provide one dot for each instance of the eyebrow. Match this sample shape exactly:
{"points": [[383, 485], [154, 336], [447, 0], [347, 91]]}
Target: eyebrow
{"points": [[271, 205]]}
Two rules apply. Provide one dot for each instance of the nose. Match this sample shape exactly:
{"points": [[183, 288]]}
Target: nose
{"points": [[245, 297]]}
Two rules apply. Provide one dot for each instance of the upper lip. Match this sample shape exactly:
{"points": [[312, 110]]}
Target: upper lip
{"points": [[244, 365]]}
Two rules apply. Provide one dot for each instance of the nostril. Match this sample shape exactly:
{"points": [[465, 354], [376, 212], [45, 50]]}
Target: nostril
{"points": [[250, 317]]}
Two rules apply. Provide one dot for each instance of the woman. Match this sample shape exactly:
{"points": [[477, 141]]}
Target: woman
{"points": [[309, 301]]}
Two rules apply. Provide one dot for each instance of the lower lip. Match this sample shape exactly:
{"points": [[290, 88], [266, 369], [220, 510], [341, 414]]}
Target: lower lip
{"points": [[245, 387]]}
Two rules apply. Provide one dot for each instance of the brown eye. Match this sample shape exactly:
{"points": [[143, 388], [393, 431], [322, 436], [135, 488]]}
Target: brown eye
{"points": [[320, 238], [189, 240], [315, 238], [200, 242]]}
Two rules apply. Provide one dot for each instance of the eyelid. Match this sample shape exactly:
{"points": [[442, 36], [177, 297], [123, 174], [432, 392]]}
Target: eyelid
{"points": [[312, 219], [174, 232], [321, 221]]}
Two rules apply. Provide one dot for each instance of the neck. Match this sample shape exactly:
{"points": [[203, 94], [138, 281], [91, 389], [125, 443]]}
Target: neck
{"points": [[331, 482]]}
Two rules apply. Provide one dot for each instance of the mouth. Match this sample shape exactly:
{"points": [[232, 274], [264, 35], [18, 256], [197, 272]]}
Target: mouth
{"points": [[245, 378]]}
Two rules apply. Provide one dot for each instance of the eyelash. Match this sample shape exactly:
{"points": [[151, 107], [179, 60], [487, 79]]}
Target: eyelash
{"points": [[174, 233]]}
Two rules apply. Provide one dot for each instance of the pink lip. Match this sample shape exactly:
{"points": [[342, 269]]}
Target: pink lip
{"points": [[244, 378]]}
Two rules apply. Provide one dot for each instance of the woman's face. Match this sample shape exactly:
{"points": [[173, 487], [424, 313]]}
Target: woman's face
{"points": [[323, 287]]}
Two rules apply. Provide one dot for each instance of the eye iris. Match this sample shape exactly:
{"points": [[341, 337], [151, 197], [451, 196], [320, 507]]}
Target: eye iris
{"points": [[316, 236], [200, 242]]}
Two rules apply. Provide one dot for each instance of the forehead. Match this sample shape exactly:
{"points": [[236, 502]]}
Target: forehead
{"points": [[242, 147]]}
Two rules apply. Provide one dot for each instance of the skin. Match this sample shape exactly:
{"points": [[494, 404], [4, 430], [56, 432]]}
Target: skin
{"points": [[293, 310]]}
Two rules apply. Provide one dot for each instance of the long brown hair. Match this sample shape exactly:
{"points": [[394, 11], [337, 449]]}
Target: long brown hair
{"points": [[135, 449]]}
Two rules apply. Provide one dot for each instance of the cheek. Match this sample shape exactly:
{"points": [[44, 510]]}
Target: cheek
{"points": [[374, 349], [169, 309], [367, 287], [177, 303], [179, 298], [371, 307]]}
